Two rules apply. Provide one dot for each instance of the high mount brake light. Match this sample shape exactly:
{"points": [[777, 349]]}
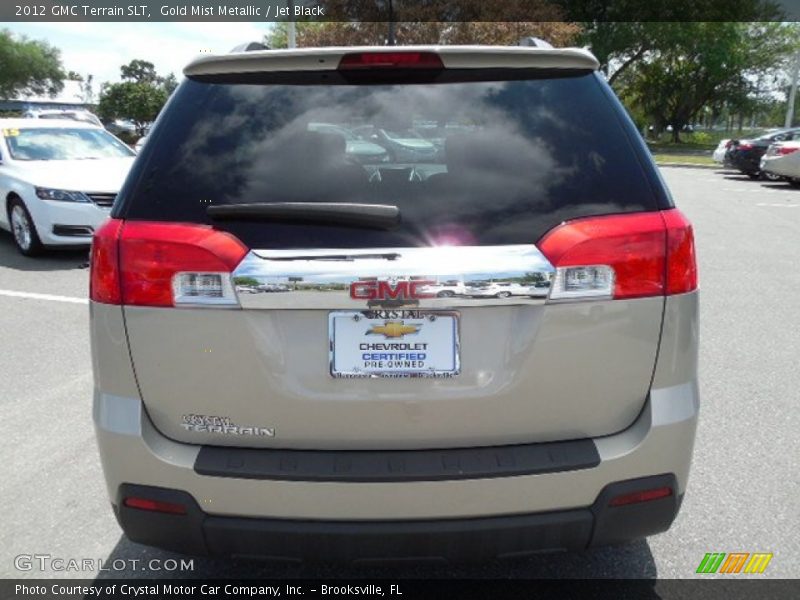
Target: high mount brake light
{"points": [[384, 60], [140, 263], [622, 256]]}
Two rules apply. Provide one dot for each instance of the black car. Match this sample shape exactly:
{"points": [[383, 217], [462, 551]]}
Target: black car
{"points": [[745, 155]]}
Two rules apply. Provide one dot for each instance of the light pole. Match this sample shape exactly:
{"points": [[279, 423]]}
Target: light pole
{"points": [[291, 42], [792, 91], [390, 40]]}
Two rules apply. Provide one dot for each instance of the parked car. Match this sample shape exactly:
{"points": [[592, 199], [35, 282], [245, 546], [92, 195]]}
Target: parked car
{"points": [[121, 126], [83, 116], [247, 289], [745, 155], [446, 288], [782, 160], [404, 145], [497, 289], [360, 150], [58, 180], [719, 152], [300, 425], [273, 287]]}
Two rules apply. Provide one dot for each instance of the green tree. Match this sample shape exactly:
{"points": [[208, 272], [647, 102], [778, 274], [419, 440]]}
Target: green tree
{"points": [[136, 102], [139, 71], [431, 22], [706, 64], [139, 97], [28, 67], [621, 33], [251, 281]]}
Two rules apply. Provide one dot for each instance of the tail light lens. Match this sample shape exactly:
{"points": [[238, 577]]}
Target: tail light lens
{"points": [[681, 259], [745, 147], [168, 264], [622, 256], [104, 280], [786, 150]]}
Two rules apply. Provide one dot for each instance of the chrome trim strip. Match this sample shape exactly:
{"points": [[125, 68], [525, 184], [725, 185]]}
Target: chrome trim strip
{"points": [[447, 277]]}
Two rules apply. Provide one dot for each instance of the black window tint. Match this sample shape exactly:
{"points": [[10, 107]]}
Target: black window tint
{"points": [[471, 162]]}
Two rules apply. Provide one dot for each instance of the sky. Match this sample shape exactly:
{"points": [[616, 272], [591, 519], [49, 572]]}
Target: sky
{"points": [[101, 48]]}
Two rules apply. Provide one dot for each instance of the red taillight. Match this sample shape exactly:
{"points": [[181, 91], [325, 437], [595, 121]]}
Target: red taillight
{"points": [[143, 263], [786, 149], [643, 496], [681, 259], [404, 60], [104, 280], [745, 147], [155, 505], [622, 256], [152, 253]]}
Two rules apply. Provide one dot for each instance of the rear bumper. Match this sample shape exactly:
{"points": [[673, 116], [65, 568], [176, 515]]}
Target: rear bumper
{"points": [[454, 518], [556, 502], [488, 538], [780, 165]]}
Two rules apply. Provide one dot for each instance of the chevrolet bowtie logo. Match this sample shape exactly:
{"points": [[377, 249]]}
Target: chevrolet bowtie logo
{"points": [[393, 329]]}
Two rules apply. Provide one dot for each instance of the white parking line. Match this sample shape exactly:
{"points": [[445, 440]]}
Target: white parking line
{"points": [[35, 296], [778, 205]]}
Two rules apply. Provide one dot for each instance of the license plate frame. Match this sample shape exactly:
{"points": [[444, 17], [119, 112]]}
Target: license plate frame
{"points": [[343, 327]]}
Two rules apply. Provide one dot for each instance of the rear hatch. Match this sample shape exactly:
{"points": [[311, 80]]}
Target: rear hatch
{"points": [[280, 292]]}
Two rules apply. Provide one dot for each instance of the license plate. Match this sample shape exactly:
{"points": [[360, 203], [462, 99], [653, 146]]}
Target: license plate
{"points": [[394, 343]]}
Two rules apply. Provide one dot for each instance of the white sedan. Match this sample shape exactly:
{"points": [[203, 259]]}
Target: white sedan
{"points": [[721, 149], [58, 180], [783, 159], [498, 289]]}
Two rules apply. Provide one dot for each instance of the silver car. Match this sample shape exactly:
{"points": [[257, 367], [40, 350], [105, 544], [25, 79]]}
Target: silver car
{"points": [[358, 414]]}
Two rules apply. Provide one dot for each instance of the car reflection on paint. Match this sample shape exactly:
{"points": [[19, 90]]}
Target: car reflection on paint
{"points": [[247, 289], [273, 287]]}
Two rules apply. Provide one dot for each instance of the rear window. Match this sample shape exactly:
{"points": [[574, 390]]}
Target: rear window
{"points": [[497, 160]]}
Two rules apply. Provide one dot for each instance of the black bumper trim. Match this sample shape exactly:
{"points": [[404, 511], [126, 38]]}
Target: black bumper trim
{"points": [[460, 539], [396, 465]]}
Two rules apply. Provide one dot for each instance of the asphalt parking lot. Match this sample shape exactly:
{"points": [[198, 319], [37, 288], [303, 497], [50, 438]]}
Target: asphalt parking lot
{"points": [[744, 491]]}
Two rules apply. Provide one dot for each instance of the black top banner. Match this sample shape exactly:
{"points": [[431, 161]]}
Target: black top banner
{"points": [[400, 10]]}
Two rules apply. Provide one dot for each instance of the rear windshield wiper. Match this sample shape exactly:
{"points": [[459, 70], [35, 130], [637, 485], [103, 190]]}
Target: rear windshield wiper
{"points": [[367, 216]]}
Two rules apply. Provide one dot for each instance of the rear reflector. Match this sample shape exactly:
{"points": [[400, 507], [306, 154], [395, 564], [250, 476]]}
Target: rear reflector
{"points": [[622, 256], [643, 496], [381, 60], [155, 505], [141, 263]]}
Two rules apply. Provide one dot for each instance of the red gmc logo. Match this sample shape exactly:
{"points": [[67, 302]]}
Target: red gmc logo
{"points": [[385, 290]]}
